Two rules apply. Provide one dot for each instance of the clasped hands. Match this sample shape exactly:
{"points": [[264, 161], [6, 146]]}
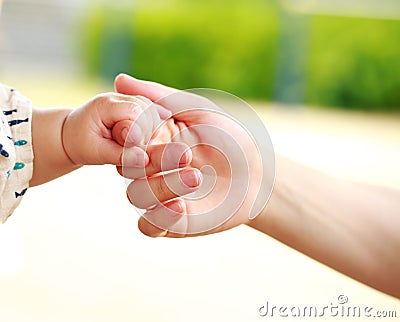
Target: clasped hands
{"points": [[196, 152]]}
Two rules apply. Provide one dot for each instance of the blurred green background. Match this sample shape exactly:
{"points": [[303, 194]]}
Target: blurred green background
{"points": [[254, 49]]}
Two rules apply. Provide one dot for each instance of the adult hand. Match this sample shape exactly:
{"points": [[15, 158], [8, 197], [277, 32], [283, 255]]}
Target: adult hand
{"points": [[221, 148]]}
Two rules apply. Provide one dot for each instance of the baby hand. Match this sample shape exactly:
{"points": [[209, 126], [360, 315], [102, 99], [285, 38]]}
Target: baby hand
{"points": [[87, 133], [140, 131]]}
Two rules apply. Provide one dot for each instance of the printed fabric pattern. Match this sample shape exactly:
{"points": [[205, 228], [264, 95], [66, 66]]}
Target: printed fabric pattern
{"points": [[16, 152]]}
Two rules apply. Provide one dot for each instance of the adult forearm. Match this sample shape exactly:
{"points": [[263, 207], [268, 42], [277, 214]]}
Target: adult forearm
{"points": [[350, 227], [50, 159]]}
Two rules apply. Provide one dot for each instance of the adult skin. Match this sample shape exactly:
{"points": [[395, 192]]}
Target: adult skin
{"points": [[351, 227]]}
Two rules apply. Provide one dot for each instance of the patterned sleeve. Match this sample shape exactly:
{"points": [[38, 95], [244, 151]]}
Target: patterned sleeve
{"points": [[16, 153]]}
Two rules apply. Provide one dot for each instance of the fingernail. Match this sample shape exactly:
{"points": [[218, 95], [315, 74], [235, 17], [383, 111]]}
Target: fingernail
{"points": [[177, 207], [135, 157], [135, 135], [124, 133], [191, 178], [186, 158], [178, 155]]}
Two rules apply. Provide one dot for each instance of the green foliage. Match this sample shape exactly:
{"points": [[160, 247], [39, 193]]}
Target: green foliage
{"points": [[355, 63], [224, 45], [233, 46], [107, 41]]}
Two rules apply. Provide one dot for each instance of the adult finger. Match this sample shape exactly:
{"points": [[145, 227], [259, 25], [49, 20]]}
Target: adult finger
{"points": [[138, 128], [182, 102], [129, 133], [128, 85], [164, 219], [172, 220], [120, 133], [112, 153], [162, 157], [145, 102], [147, 192]]}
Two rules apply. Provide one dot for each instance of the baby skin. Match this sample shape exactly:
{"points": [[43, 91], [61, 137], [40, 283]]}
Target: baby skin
{"points": [[66, 139]]}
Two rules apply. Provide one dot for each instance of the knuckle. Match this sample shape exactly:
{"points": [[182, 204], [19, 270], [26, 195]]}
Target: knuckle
{"points": [[144, 99], [128, 196], [103, 98], [160, 189], [135, 109], [155, 162], [132, 192]]}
